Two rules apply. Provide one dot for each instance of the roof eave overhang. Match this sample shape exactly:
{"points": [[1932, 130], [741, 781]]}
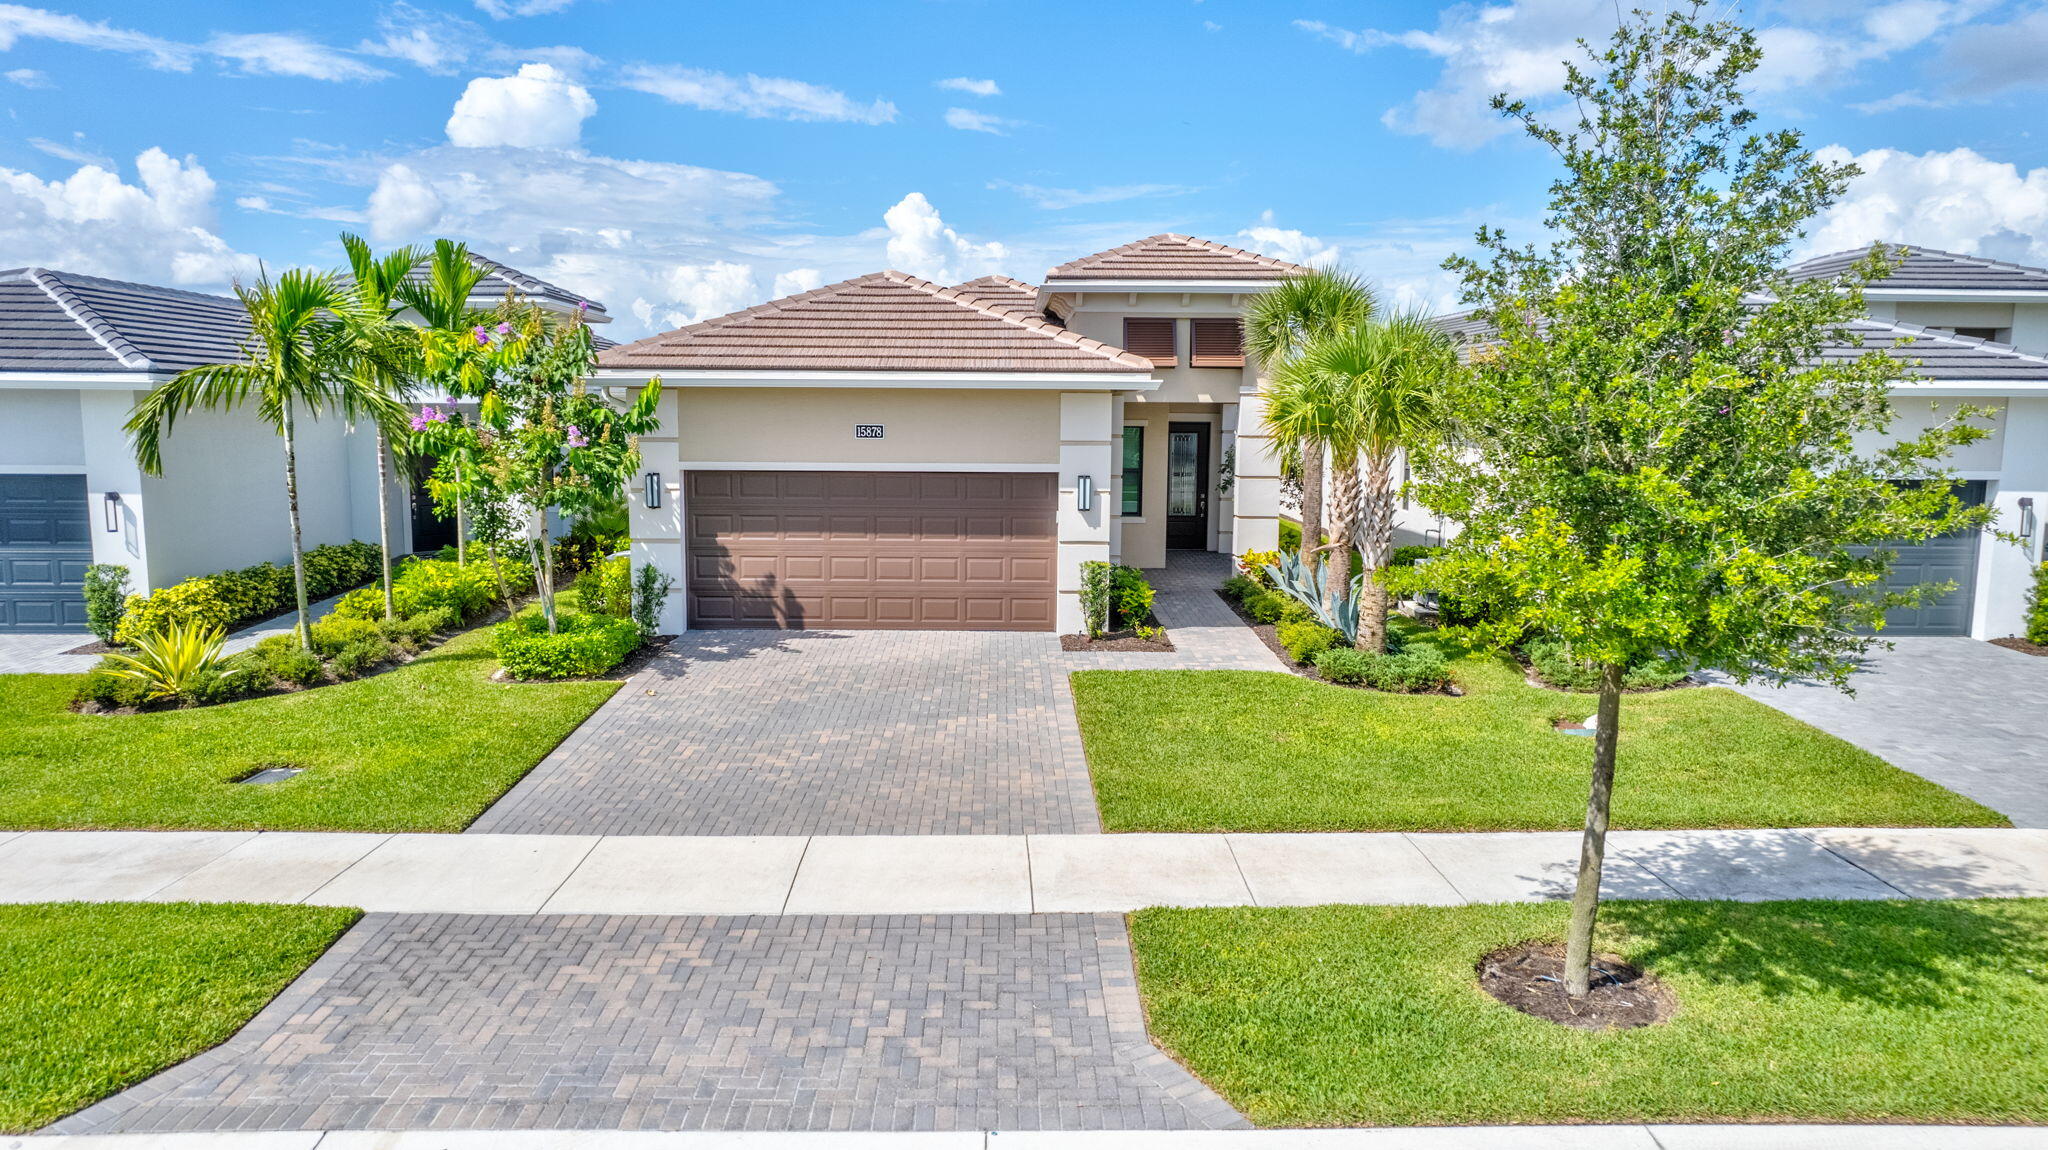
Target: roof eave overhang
{"points": [[1239, 287], [1957, 295], [961, 380], [85, 380], [1988, 388]]}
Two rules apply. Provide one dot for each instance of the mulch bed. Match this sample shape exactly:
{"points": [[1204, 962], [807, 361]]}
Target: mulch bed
{"points": [[2024, 646], [1529, 977], [93, 648], [1125, 640]]}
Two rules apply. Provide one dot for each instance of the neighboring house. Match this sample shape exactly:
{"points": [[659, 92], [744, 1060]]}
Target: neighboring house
{"points": [[888, 452], [76, 353], [1969, 330]]}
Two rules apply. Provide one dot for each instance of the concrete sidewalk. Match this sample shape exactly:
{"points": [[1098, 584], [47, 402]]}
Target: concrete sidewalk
{"points": [[1652, 1137], [997, 874]]}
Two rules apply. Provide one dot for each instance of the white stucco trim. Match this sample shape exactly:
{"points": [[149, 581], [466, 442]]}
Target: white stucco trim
{"points": [[110, 380], [1956, 295], [865, 465], [967, 381], [1982, 388], [1242, 287], [42, 469]]}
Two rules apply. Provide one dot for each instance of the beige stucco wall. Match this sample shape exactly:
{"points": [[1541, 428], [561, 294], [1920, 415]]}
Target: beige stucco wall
{"points": [[803, 425], [1101, 316]]}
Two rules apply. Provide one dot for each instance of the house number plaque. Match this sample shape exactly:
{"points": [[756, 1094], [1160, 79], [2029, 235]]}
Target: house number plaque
{"points": [[867, 431]]}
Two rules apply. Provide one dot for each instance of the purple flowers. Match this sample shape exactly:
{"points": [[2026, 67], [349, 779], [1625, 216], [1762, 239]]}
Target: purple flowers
{"points": [[576, 438], [427, 415], [504, 329], [482, 336]]}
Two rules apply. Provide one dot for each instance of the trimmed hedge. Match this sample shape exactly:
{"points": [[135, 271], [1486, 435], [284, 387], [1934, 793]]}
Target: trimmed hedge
{"points": [[422, 585], [1555, 665], [582, 644], [1415, 668], [231, 598], [1305, 638]]}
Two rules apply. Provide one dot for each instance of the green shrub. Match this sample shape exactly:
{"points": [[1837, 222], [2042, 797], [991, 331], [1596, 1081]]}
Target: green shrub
{"points": [[2037, 606], [1266, 606], [106, 597], [606, 588], [195, 602], [433, 621], [1131, 596], [1293, 610], [253, 592], [103, 686], [288, 662], [333, 567], [228, 599], [1306, 638], [169, 661], [1417, 668], [1254, 563], [1556, 665], [1290, 536], [464, 589], [582, 645], [224, 682], [1237, 587], [1411, 554], [330, 635], [650, 594], [362, 655]]}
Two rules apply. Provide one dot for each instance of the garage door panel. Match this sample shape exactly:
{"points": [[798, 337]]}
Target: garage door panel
{"points": [[45, 547], [844, 549], [1947, 559]]}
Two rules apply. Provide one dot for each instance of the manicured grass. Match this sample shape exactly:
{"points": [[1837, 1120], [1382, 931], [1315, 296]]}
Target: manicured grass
{"points": [[425, 747], [1270, 751], [1788, 1011], [97, 997]]}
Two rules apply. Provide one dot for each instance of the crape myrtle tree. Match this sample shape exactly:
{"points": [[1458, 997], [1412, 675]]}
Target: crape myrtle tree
{"points": [[540, 441], [1659, 458]]}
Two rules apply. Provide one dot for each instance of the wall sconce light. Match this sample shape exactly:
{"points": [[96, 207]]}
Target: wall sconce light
{"points": [[2027, 521], [653, 490], [112, 503], [1084, 493]]}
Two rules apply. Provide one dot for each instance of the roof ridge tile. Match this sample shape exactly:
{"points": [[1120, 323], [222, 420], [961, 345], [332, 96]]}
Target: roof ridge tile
{"points": [[99, 327]]}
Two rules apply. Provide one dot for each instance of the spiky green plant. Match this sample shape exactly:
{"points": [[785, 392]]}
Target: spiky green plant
{"points": [[172, 659]]}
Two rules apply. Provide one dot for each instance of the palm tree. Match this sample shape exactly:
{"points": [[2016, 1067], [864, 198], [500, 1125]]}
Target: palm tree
{"points": [[1365, 394], [1279, 324], [385, 359], [442, 301], [289, 365]]}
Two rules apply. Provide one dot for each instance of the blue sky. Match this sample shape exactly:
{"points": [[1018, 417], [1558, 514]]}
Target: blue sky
{"points": [[680, 160]]}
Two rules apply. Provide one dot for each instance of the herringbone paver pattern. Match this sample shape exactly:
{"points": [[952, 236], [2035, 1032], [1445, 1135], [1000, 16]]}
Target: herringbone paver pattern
{"points": [[823, 1023], [822, 732]]}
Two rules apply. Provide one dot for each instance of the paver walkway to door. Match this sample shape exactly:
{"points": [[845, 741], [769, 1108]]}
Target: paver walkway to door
{"points": [[1967, 714]]}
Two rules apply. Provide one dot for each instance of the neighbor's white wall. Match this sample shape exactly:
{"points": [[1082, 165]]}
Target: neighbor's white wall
{"points": [[2004, 571], [1915, 414], [1936, 314], [43, 433], [2030, 327]]}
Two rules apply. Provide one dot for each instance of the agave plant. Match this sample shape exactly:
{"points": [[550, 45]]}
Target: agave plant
{"points": [[172, 659], [1293, 578]]}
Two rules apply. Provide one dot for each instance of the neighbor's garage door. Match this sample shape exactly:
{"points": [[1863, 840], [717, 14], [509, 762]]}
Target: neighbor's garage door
{"points": [[1945, 559], [44, 551], [858, 549]]}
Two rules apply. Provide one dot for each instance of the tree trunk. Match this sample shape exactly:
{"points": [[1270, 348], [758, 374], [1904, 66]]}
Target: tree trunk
{"points": [[1375, 544], [498, 569], [1578, 947], [1343, 515], [461, 522], [384, 520], [1311, 506], [291, 495], [544, 571]]}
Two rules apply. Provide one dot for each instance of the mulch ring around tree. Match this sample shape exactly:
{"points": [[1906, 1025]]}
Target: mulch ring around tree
{"points": [[1125, 640], [2024, 646], [1529, 977]]}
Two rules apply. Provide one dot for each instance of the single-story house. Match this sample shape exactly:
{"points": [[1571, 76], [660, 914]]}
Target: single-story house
{"points": [[76, 353], [888, 452]]}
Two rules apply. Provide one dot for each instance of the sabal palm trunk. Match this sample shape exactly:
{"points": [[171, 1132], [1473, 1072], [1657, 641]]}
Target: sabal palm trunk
{"points": [[291, 495], [1375, 536], [1311, 505], [384, 519], [1344, 495], [1578, 946]]}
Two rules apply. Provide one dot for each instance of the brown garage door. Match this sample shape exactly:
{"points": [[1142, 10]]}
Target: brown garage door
{"points": [[928, 551]]}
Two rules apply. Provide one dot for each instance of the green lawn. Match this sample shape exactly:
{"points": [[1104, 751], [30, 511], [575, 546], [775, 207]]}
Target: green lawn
{"points": [[1270, 751], [425, 747], [1788, 1011], [97, 997]]}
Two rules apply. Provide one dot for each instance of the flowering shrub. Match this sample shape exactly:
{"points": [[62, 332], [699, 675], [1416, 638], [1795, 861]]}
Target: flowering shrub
{"points": [[581, 645]]}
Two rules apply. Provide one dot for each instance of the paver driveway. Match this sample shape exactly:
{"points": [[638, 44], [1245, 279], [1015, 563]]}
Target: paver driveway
{"points": [[1964, 713], [822, 732], [813, 1023]]}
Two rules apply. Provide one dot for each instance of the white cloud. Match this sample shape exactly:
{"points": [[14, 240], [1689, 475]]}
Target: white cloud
{"points": [[431, 41], [403, 204], [1059, 199], [756, 96], [1957, 201], [28, 78], [1519, 48], [968, 120], [970, 86], [701, 291], [253, 204], [796, 281], [155, 230], [539, 107], [920, 243], [1911, 98], [1991, 58], [76, 151], [289, 54], [19, 22], [1290, 244], [507, 9]]}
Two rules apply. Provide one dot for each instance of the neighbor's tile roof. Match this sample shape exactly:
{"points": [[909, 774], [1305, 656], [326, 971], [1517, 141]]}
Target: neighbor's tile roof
{"points": [[1006, 295], [1933, 356], [886, 321], [1929, 269], [61, 322], [1174, 257], [500, 278]]}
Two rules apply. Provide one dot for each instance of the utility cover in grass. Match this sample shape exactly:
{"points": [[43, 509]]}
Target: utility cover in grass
{"points": [[1810, 1011]]}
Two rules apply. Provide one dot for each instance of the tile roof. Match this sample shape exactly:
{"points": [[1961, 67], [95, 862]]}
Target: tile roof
{"points": [[885, 321], [1933, 356], [1012, 297], [1171, 256], [1929, 269], [54, 321]]}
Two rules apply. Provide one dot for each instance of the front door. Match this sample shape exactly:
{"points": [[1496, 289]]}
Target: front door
{"points": [[431, 530], [1187, 486]]}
